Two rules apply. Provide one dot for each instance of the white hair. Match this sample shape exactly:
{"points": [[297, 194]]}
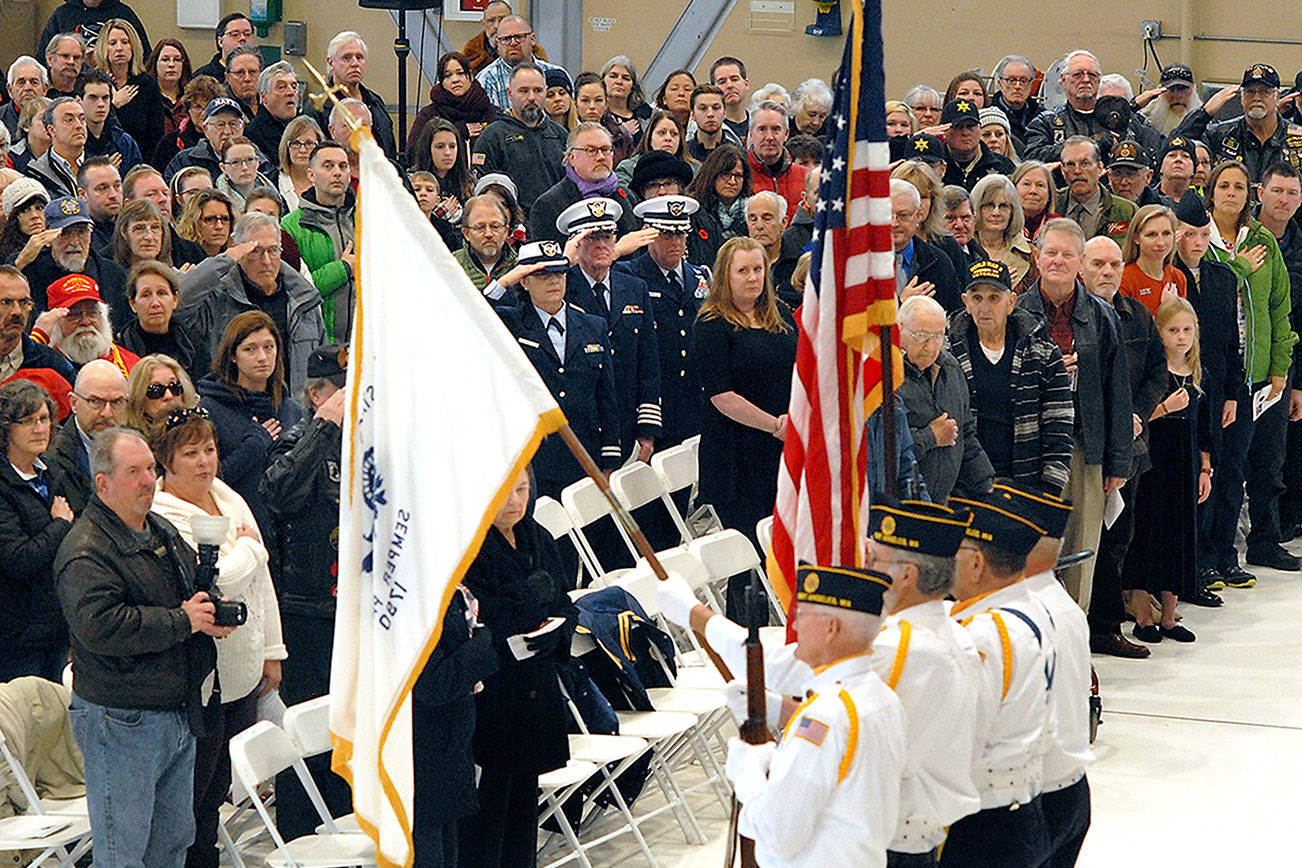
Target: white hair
{"points": [[1079, 52], [26, 60], [901, 187], [812, 92], [250, 222], [356, 106], [922, 90], [57, 39], [1012, 58], [917, 304], [771, 91], [778, 203], [84, 346], [1116, 81], [341, 39]]}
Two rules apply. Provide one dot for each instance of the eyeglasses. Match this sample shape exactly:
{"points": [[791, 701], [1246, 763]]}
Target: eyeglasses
{"points": [[235, 124], [269, 250], [1084, 73], [926, 337], [157, 390], [98, 404], [996, 206], [302, 145], [183, 415], [484, 228], [514, 37], [19, 303], [214, 219], [1015, 79], [603, 151], [241, 163]]}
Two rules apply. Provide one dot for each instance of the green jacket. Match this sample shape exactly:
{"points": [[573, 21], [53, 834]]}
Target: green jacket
{"points": [[475, 271], [319, 233], [1267, 304], [1117, 213]]}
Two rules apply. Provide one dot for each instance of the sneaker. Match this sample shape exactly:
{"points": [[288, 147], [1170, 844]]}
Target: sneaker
{"points": [[1147, 633], [1211, 579], [1274, 557], [1177, 633], [1237, 577]]}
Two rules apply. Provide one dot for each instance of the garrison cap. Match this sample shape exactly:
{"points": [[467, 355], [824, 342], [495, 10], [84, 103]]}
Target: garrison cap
{"points": [[916, 526], [994, 522], [1190, 209], [1035, 504], [858, 590], [596, 214]]}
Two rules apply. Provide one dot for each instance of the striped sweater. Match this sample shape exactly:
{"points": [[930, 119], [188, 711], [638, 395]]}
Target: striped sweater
{"points": [[1041, 409]]}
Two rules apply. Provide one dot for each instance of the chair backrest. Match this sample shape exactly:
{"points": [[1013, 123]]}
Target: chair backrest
{"points": [[643, 585], [680, 560], [725, 553], [308, 724], [585, 502], [261, 752], [764, 533], [676, 466], [637, 485], [20, 776], [552, 516]]}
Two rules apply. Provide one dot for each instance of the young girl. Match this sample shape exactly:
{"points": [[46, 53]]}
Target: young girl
{"points": [[1149, 276], [1162, 557]]}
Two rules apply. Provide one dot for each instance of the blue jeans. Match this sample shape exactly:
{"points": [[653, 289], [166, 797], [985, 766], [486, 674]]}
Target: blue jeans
{"points": [[139, 783]]}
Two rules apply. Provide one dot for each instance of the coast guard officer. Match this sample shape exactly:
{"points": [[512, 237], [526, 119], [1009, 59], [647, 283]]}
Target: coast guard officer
{"points": [[622, 301], [1066, 794], [1004, 620], [571, 350], [828, 794], [676, 289], [933, 666]]}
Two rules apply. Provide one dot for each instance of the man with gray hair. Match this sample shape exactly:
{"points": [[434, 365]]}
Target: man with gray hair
{"points": [[1014, 80], [771, 166], [27, 80], [935, 397], [278, 96], [346, 59], [243, 68], [1045, 134], [921, 268], [251, 276], [589, 172], [99, 402], [144, 681], [64, 54]]}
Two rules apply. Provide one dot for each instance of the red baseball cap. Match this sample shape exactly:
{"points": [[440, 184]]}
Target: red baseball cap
{"points": [[70, 289]]}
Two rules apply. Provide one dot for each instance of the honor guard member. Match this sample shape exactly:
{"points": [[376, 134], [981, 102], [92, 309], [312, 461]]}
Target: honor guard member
{"points": [[1065, 797], [622, 301], [571, 350], [933, 666], [676, 289], [997, 608], [1260, 137], [828, 794]]}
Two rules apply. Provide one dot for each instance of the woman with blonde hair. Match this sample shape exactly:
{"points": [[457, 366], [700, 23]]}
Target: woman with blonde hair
{"points": [[157, 386], [136, 98], [999, 224], [744, 346], [931, 220], [207, 220], [301, 135], [1039, 197], [900, 120], [1149, 276]]}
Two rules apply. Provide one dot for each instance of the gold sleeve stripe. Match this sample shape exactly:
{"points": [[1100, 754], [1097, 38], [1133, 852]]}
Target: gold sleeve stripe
{"points": [[901, 654], [852, 743], [1006, 645]]}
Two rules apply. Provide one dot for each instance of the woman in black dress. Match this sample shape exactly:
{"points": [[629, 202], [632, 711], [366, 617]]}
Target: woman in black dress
{"points": [[1162, 559], [744, 346], [520, 728]]}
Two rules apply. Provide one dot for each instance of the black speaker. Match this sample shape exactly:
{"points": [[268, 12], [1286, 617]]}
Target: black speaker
{"points": [[401, 5]]}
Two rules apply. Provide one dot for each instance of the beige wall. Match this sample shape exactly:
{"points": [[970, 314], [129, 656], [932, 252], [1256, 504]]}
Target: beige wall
{"points": [[926, 40]]}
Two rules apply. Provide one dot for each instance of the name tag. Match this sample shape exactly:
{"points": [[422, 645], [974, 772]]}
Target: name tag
{"points": [[529, 343], [654, 294]]}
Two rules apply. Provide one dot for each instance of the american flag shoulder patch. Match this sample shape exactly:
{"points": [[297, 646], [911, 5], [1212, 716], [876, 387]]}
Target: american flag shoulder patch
{"points": [[811, 730]]}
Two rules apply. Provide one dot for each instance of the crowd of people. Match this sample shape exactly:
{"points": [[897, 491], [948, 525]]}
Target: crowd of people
{"points": [[1096, 314]]}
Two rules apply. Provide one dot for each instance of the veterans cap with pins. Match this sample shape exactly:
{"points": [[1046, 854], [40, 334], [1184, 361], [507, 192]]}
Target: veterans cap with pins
{"points": [[67, 211], [995, 523], [328, 361], [598, 213], [1260, 74], [1180, 143], [916, 526], [1177, 74], [668, 213], [852, 588], [1129, 153]]}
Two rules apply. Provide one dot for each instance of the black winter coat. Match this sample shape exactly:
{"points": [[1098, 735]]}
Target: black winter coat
{"points": [[179, 343], [530, 156], [30, 616], [70, 463]]}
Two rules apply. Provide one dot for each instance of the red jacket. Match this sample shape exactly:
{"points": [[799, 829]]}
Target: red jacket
{"points": [[788, 182]]}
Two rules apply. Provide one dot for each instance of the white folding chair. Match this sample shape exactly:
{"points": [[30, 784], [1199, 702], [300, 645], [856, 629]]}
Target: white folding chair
{"points": [[58, 828], [263, 751], [638, 485], [308, 725], [586, 504], [728, 552], [764, 533], [612, 755], [549, 513], [677, 466], [554, 788]]}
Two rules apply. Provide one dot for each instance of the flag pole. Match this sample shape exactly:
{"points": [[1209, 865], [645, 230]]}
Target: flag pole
{"points": [[629, 524], [891, 468]]}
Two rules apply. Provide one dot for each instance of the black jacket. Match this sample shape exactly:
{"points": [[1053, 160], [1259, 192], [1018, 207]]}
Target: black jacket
{"points": [[708, 235], [785, 267], [41, 356], [1232, 140], [265, 131], [1146, 364], [988, 163], [959, 257], [1018, 118], [1102, 383], [563, 194], [301, 490], [179, 343], [1215, 297], [111, 277], [68, 460], [530, 156], [75, 17], [1048, 130], [931, 265], [131, 641], [1290, 247], [963, 467], [30, 616]]}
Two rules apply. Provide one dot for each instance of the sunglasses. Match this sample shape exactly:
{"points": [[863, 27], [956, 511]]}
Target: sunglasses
{"points": [[185, 414], [157, 390]]}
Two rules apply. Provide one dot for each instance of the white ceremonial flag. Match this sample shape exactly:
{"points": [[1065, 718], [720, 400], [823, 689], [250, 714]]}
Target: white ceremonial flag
{"points": [[443, 412]]}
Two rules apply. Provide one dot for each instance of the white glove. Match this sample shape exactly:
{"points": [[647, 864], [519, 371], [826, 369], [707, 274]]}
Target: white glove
{"points": [[676, 600], [748, 767], [734, 694]]}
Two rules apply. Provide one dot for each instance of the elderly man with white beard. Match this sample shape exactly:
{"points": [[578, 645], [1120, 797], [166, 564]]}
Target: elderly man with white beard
{"points": [[71, 253], [1175, 96], [77, 325]]}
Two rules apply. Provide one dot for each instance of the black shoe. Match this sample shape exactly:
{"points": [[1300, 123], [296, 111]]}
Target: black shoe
{"points": [[1117, 646], [1211, 579], [1274, 557], [1177, 633], [1288, 531], [1235, 576], [1204, 597], [1147, 633]]}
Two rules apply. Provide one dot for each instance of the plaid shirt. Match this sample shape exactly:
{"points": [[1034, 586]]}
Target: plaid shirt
{"points": [[495, 77]]}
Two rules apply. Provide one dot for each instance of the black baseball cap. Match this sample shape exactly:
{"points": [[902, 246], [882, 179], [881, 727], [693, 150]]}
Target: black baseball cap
{"points": [[1177, 73], [1260, 73], [328, 361], [923, 146], [1180, 143], [1129, 153], [988, 272], [960, 111]]}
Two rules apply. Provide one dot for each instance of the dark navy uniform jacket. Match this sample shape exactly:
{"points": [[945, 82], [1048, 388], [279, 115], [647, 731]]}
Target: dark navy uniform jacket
{"points": [[630, 322], [583, 383], [675, 312]]}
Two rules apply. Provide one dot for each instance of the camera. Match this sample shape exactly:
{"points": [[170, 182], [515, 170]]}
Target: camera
{"points": [[209, 531]]}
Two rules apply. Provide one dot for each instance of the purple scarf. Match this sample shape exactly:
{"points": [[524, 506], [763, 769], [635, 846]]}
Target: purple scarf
{"points": [[588, 189]]}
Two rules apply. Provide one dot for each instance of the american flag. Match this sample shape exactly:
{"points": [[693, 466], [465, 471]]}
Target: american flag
{"points": [[849, 294]]}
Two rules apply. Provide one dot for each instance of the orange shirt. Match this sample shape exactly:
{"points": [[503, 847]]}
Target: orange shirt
{"points": [[1139, 286]]}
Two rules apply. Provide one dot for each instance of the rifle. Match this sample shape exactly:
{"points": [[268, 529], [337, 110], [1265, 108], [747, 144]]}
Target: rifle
{"points": [[755, 729]]}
